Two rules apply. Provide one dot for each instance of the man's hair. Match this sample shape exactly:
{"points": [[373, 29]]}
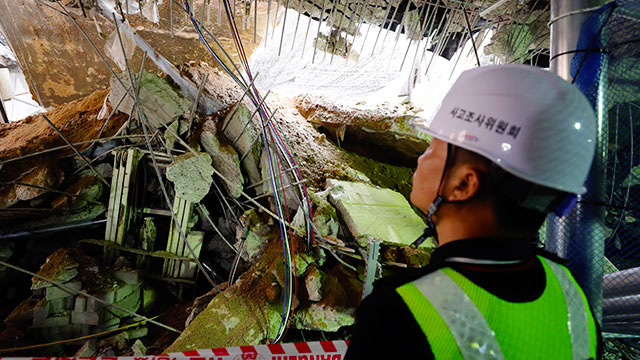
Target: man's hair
{"points": [[511, 216]]}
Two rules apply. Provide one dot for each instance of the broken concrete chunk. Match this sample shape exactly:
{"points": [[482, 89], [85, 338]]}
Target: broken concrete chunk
{"points": [[87, 190], [406, 255], [136, 332], [340, 291], [191, 176], [89, 349], [225, 159], [255, 233], [85, 318], [54, 292], [303, 261], [169, 136], [325, 216], [381, 213], [138, 348], [313, 284], [159, 102], [76, 120], [41, 176], [245, 139], [130, 277], [61, 266], [59, 313], [54, 321], [324, 318]]}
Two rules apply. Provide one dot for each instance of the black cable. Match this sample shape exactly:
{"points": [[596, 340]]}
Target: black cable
{"points": [[598, 50]]}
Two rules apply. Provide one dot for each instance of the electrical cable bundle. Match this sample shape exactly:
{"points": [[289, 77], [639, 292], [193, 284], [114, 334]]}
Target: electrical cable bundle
{"points": [[277, 150]]}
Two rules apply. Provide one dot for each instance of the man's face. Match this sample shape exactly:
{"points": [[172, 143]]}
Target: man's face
{"points": [[427, 177]]}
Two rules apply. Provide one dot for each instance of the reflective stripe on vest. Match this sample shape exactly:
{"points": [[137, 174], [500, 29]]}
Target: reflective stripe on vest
{"points": [[462, 320], [578, 322]]}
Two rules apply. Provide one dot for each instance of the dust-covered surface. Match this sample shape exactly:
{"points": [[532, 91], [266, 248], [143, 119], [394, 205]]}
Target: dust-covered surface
{"points": [[230, 223], [77, 121]]}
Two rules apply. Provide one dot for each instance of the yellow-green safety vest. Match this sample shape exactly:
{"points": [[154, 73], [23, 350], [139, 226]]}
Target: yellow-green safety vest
{"points": [[463, 321]]}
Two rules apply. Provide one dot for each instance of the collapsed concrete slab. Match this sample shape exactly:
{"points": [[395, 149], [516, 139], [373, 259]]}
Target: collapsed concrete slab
{"points": [[160, 103], [191, 176], [241, 314], [243, 134], [388, 132], [225, 159], [249, 312], [381, 213], [77, 121]]}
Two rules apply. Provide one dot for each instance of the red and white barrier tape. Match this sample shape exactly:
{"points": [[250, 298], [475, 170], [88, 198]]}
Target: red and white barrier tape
{"points": [[319, 350]]}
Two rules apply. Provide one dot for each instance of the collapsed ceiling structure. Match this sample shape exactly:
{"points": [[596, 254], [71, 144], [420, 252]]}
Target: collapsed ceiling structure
{"points": [[212, 174]]}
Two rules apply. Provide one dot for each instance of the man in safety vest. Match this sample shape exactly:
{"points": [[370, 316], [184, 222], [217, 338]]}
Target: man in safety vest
{"points": [[511, 143]]}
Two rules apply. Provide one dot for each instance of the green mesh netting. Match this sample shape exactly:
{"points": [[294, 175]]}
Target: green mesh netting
{"points": [[601, 237]]}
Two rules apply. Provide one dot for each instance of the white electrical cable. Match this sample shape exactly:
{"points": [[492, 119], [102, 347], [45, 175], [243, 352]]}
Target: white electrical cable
{"points": [[571, 13]]}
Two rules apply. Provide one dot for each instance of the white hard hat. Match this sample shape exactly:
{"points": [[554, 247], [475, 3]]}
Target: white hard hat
{"points": [[528, 121]]}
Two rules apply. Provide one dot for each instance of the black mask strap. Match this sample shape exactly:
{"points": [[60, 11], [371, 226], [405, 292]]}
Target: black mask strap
{"points": [[430, 230]]}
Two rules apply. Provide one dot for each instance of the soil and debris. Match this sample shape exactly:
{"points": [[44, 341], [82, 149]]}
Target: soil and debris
{"points": [[106, 235]]}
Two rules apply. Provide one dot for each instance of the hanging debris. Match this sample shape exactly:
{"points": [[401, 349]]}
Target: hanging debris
{"points": [[160, 103]]}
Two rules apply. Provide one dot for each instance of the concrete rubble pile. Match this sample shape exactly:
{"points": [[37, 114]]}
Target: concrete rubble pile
{"points": [[143, 218]]}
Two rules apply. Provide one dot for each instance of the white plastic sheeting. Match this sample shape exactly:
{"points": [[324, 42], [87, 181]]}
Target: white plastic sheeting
{"points": [[113, 49], [149, 8]]}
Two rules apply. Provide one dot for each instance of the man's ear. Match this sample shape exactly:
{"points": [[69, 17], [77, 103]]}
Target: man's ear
{"points": [[464, 182]]}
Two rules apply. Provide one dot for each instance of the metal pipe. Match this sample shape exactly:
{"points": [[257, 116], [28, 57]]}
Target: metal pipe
{"points": [[393, 17], [266, 28], [473, 43], [171, 17], [355, 34], [332, 16], [565, 32], [295, 32], [284, 23], [315, 46], [49, 229], [579, 233], [442, 37], [622, 283], [462, 44], [366, 35], [275, 19], [3, 112], [335, 46], [414, 33], [304, 44], [621, 305]]}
